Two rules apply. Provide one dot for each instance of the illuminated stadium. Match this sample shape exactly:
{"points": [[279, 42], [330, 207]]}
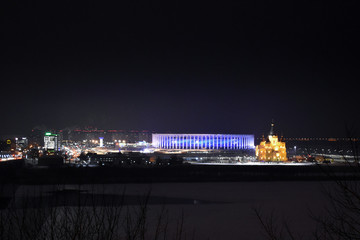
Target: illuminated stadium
{"points": [[203, 141]]}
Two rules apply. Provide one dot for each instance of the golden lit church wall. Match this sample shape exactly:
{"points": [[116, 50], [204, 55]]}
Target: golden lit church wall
{"points": [[271, 149]]}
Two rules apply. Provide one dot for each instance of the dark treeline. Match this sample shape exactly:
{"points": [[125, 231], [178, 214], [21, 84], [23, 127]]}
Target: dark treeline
{"points": [[14, 173]]}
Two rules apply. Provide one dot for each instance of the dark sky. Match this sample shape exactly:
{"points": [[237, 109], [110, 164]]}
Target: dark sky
{"points": [[181, 66]]}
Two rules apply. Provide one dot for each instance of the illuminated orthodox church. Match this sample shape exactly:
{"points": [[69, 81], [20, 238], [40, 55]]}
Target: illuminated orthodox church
{"points": [[271, 149]]}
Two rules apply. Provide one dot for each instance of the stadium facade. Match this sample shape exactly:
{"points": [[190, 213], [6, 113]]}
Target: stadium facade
{"points": [[204, 141]]}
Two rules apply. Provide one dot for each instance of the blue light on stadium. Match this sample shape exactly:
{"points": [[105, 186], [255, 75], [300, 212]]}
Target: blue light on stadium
{"points": [[203, 141]]}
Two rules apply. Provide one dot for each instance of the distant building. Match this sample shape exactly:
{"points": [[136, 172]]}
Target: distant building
{"points": [[271, 149], [51, 143], [203, 141], [21, 143]]}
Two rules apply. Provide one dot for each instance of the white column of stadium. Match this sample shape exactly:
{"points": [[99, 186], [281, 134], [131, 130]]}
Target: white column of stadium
{"points": [[213, 145], [216, 141], [177, 142], [190, 141]]}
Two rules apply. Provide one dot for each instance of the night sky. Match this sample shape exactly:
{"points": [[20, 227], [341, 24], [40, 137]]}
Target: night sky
{"points": [[181, 66]]}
